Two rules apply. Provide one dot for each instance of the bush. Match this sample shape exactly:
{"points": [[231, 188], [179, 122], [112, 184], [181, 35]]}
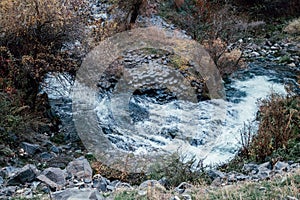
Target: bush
{"points": [[29, 27], [269, 8], [32, 33], [279, 130], [175, 170]]}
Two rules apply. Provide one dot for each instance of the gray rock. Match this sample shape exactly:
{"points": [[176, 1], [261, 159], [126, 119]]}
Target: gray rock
{"points": [[77, 194], [281, 166], [215, 174], [30, 149], [255, 54], [163, 181], [291, 198], [149, 183], [264, 173], [122, 185], [1, 181], [267, 165], [45, 156], [100, 183], [175, 198], [182, 187], [26, 174], [186, 197], [55, 149], [7, 191], [8, 171], [53, 177], [80, 169], [250, 168]]}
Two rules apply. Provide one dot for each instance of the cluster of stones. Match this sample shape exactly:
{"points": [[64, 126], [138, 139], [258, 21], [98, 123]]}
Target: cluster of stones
{"points": [[76, 181], [282, 52]]}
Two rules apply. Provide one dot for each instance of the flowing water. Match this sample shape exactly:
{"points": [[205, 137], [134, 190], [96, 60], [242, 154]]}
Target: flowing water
{"points": [[208, 130]]}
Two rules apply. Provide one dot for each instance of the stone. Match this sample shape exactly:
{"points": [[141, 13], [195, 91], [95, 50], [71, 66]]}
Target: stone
{"points": [[182, 187], [55, 149], [149, 183], [30, 149], [292, 65], [267, 165], [80, 169], [1, 181], [250, 168], [186, 197], [175, 198], [215, 174], [45, 156], [8, 171], [163, 181], [100, 183], [77, 194], [55, 178], [291, 198], [122, 185], [281, 166], [26, 174], [7, 191], [255, 54], [264, 173]]}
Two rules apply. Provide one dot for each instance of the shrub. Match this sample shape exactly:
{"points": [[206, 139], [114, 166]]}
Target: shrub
{"points": [[279, 125], [32, 33], [278, 132], [175, 170], [269, 8], [29, 27]]}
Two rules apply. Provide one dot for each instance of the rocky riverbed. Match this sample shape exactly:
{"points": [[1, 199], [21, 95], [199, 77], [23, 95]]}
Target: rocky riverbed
{"points": [[77, 181]]}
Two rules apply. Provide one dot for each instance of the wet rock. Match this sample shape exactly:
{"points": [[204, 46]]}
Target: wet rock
{"points": [[80, 169], [77, 194], [30, 149], [26, 174], [53, 177]]}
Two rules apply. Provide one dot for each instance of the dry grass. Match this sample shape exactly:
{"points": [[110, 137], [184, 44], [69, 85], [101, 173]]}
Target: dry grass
{"points": [[285, 186], [293, 27]]}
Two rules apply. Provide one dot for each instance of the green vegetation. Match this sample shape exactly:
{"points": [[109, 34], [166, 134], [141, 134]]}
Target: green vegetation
{"points": [[278, 135], [175, 170]]}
